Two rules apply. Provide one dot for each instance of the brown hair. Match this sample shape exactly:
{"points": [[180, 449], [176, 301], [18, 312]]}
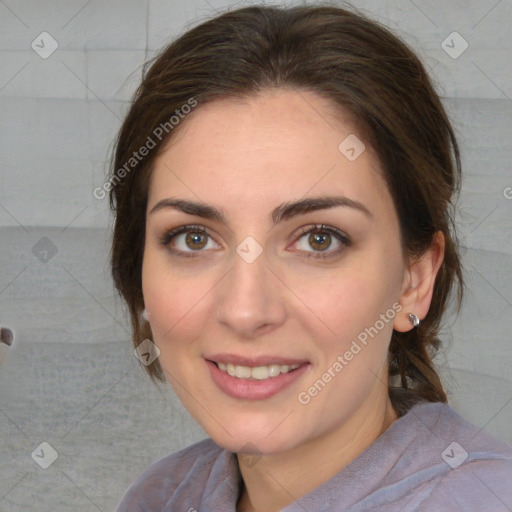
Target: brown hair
{"points": [[360, 67]]}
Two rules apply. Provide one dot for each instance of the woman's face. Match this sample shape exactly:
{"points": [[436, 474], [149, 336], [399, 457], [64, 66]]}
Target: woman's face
{"points": [[273, 253]]}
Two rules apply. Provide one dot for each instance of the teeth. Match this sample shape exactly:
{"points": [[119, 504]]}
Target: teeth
{"points": [[242, 372], [256, 372]]}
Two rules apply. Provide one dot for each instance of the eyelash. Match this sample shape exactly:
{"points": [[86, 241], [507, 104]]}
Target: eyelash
{"points": [[167, 238], [322, 228]]}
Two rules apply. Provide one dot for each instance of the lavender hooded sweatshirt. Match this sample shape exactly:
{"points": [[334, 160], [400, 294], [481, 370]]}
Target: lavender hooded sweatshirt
{"points": [[430, 459]]}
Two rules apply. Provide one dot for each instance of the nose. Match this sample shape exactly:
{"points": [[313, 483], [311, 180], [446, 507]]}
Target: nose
{"points": [[251, 300]]}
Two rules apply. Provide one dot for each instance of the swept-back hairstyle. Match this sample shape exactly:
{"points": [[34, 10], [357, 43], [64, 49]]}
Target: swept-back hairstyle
{"points": [[365, 71]]}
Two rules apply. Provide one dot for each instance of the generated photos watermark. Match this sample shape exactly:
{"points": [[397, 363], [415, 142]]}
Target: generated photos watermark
{"points": [[342, 360], [160, 132]]}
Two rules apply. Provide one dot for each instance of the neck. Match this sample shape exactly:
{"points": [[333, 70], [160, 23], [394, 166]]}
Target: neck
{"points": [[278, 480]]}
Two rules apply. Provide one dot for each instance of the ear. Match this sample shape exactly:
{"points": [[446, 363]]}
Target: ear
{"points": [[418, 284]]}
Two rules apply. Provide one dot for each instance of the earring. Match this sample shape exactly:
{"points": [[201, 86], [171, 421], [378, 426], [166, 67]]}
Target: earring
{"points": [[145, 315], [415, 321]]}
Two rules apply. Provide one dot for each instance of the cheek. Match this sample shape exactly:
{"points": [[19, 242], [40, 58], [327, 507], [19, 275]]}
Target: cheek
{"points": [[344, 302], [178, 304]]}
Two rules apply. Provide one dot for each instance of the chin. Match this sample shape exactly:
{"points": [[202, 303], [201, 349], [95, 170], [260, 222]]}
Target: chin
{"points": [[250, 434]]}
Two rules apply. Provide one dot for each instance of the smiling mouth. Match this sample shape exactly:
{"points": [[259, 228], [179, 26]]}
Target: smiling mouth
{"points": [[254, 378], [256, 372]]}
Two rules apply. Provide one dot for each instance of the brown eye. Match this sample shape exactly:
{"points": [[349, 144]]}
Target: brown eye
{"points": [[186, 240], [196, 241], [320, 241]]}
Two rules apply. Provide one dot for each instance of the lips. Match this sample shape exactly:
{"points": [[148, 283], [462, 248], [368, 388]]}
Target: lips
{"points": [[254, 378], [253, 361]]}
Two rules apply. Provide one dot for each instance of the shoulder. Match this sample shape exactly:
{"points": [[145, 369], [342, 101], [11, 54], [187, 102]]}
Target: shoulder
{"points": [[445, 424], [482, 483], [160, 481], [471, 470]]}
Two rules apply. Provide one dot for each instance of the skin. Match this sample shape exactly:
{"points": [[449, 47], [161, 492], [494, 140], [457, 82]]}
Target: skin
{"points": [[246, 158]]}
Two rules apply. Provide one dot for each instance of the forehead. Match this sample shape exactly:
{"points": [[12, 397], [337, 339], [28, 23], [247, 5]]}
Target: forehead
{"points": [[274, 146]]}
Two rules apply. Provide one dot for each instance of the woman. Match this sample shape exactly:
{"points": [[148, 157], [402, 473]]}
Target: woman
{"points": [[283, 187]]}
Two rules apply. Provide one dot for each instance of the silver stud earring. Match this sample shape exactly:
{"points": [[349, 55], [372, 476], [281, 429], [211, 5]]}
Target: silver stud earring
{"points": [[145, 315], [415, 321]]}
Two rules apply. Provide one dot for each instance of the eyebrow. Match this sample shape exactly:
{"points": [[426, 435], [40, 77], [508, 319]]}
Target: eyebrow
{"points": [[282, 212]]}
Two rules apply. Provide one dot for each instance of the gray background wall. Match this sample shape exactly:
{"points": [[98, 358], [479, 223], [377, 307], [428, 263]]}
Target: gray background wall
{"points": [[71, 379]]}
